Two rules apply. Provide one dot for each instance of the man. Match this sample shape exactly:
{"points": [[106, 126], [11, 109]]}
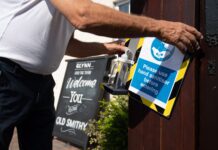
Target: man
{"points": [[33, 37]]}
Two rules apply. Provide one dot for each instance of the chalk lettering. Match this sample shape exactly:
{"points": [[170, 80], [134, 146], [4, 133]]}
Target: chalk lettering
{"points": [[72, 109], [76, 98], [75, 124], [83, 65], [60, 121], [79, 83]]}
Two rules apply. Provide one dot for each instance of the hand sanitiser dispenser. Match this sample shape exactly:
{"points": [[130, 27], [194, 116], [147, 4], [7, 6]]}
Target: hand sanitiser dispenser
{"points": [[119, 72]]}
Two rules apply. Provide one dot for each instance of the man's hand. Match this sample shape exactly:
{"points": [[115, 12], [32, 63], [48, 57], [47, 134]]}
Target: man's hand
{"points": [[78, 48], [116, 47], [181, 35]]}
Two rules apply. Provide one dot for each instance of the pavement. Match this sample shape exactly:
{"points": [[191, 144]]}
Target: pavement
{"points": [[57, 144]]}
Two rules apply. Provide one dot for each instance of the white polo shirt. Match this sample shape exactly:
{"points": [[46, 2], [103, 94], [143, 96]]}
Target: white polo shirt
{"points": [[33, 34]]}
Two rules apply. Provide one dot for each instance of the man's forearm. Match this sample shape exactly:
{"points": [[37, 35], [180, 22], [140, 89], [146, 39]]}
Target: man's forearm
{"points": [[105, 21], [80, 49], [98, 19]]}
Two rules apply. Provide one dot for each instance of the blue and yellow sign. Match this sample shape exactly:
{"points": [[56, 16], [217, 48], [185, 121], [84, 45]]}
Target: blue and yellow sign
{"points": [[157, 76]]}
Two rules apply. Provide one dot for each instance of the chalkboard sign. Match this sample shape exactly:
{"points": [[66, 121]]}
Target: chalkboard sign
{"points": [[79, 98]]}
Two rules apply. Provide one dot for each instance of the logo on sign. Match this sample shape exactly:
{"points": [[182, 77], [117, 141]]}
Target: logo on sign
{"points": [[161, 51]]}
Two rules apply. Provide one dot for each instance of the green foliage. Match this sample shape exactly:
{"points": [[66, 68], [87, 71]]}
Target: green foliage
{"points": [[110, 131]]}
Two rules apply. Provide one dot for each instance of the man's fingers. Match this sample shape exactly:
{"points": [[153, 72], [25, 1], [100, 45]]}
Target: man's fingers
{"points": [[187, 42], [192, 30], [194, 37], [193, 40], [190, 38], [114, 48], [181, 47], [120, 42], [185, 37]]}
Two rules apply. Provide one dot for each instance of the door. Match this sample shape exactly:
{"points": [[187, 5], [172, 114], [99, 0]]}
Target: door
{"points": [[208, 96], [148, 130]]}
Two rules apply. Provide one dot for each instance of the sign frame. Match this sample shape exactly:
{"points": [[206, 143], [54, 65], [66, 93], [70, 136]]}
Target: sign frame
{"points": [[167, 111]]}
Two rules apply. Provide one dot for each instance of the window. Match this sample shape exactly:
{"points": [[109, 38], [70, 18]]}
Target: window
{"points": [[122, 5]]}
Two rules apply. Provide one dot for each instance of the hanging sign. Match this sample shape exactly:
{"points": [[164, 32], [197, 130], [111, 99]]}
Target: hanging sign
{"points": [[158, 75]]}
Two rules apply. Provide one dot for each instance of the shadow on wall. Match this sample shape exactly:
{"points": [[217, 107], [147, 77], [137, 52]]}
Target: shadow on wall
{"points": [[136, 117], [137, 8], [142, 111]]}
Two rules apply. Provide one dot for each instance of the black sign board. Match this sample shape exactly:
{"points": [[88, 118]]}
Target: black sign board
{"points": [[78, 101]]}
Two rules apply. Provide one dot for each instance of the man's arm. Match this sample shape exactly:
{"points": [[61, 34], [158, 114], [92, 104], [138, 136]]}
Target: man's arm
{"points": [[83, 49], [98, 19]]}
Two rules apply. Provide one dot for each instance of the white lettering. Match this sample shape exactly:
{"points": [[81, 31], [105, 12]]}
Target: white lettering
{"points": [[60, 121], [76, 98], [159, 79], [83, 65], [75, 124], [151, 89], [149, 68], [143, 72], [150, 82], [163, 74], [78, 83]]}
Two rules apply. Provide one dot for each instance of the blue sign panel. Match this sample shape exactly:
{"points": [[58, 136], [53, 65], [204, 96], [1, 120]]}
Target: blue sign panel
{"points": [[156, 71], [154, 80]]}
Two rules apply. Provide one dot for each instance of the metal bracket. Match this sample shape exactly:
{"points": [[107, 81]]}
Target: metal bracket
{"points": [[212, 40], [211, 22], [211, 68]]}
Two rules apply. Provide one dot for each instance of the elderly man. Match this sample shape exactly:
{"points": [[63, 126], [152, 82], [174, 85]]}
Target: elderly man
{"points": [[34, 35]]}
